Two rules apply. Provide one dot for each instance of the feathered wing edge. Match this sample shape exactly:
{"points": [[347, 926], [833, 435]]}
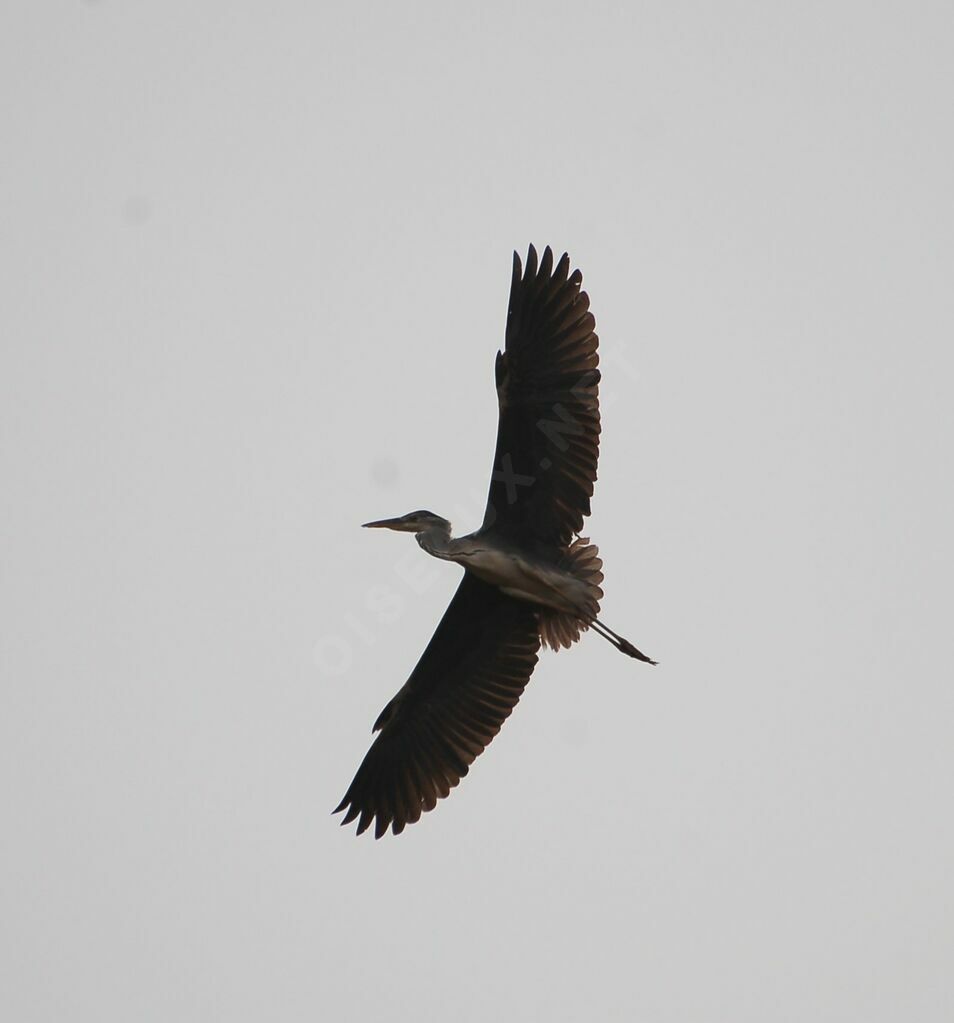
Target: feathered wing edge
{"points": [[547, 449], [464, 687]]}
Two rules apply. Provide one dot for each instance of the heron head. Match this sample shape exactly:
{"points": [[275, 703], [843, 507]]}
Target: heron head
{"points": [[413, 522]]}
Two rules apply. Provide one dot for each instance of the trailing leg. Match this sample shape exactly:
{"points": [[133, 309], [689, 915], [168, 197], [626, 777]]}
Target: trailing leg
{"points": [[621, 644]]}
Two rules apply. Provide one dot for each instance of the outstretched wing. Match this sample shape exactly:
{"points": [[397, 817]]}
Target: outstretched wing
{"points": [[464, 687], [548, 432]]}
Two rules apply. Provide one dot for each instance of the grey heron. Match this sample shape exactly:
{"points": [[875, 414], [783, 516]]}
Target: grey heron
{"points": [[529, 577]]}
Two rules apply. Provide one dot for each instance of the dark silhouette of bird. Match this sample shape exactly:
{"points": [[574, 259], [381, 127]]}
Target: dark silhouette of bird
{"points": [[529, 577]]}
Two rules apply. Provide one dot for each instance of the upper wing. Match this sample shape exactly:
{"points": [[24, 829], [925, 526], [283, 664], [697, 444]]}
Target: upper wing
{"points": [[548, 432], [464, 687]]}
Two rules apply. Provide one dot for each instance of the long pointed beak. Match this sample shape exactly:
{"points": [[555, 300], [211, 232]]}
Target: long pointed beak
{"points": [[382, 524]]}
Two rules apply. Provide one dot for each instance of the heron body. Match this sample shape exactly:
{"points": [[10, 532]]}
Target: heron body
{"points": [[525, 578], [529, 577]]}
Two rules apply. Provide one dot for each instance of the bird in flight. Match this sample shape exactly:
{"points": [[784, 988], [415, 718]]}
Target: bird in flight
{"points": [[529, 577]]}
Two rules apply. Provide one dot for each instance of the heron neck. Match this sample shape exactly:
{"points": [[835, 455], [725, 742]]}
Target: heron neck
{"points": [[436, 541]]}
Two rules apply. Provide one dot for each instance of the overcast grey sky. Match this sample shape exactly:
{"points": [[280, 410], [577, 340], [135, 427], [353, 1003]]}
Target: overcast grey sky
{"points": [[255, 265]]}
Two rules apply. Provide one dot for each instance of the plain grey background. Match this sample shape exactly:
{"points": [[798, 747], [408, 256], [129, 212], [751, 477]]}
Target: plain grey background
{"points": [[255, 263]]}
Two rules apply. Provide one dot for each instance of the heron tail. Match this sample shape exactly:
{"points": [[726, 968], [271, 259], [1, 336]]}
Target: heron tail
{"points": [[581, 560]]}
